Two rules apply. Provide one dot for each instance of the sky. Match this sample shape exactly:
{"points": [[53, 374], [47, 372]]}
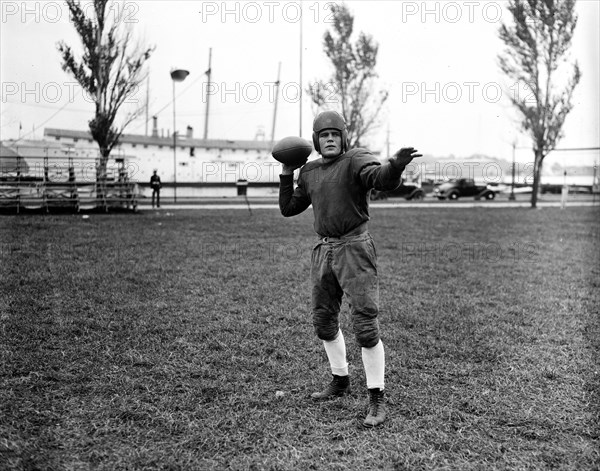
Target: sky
{"points": [[437, 59]]}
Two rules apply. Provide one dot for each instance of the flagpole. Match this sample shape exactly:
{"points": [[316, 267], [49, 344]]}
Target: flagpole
{"points": [[300, 91], [147, 100]]}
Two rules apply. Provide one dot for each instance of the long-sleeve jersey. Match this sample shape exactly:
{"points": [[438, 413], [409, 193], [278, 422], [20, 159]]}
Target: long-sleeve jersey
{"points": [[155, 182], [338, 190]]}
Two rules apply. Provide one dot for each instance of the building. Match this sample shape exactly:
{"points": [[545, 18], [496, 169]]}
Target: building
{"points": [[196, 162]]}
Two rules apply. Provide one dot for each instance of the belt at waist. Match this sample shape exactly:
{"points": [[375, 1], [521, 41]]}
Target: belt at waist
{"points": [[353, 233]]}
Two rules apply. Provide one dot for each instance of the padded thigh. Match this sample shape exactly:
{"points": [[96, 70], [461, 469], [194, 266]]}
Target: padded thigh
{"points": [[346, 268]]}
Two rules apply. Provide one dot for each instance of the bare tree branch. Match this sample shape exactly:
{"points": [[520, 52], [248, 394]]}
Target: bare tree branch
{"points": [[537, 43], [110, 68], [349, 90]]}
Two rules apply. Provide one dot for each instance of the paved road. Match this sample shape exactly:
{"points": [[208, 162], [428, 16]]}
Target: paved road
{"points": [[399, 204]]}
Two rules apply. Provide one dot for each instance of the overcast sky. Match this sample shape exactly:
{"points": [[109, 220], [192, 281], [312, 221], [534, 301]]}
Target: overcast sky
{"points": [[437, 59]]}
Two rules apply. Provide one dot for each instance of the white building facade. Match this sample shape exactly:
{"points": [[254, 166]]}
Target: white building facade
{"points": [[194, 161]]}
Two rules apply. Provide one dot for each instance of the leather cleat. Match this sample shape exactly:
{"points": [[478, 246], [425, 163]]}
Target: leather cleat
{"points": [[339, 386], [377, 408]]}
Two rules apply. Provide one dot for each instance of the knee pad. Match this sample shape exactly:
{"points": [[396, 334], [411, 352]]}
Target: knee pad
{"points": [[368, 336], [327, 333], [326, 324]]}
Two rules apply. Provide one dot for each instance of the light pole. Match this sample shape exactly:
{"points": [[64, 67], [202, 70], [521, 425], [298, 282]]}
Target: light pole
{"points": [[512, 186], [177, 75]]}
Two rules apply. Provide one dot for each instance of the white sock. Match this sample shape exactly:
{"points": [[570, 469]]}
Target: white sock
{"points": [[336, 353], [374, 362]]}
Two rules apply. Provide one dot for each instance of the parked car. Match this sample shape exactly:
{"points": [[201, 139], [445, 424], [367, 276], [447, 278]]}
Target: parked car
{"points": [[462, 187], [407, 190], [557, 189]]}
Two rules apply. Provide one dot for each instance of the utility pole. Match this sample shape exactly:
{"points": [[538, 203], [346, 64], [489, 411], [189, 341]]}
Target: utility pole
{"points": [[387, 141], [147, 100], [300, 78], [276, 101], [512, 186], [208, 73]]}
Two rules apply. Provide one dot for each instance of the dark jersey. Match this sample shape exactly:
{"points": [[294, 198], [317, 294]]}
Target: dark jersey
{"points": [[338, 190], [155, 182]]}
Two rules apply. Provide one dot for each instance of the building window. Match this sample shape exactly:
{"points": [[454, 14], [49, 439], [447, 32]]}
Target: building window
{"points": [[192, 152]]}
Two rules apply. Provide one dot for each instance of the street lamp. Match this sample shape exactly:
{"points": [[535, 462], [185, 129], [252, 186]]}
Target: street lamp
{"points": [[512, 186], [177, 75]]}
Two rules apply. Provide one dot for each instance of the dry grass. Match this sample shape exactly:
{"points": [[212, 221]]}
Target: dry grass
{"points": [[157, 341]]}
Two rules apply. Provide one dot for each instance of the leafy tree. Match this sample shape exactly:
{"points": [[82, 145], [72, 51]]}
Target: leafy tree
{"points": [[110, 70], [537, 45], [350, 88]]}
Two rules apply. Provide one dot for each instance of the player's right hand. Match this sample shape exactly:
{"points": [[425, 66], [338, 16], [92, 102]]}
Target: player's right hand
{"points": [[288, 169]]}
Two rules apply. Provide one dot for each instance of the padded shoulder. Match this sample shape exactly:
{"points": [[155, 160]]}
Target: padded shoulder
{"points": [[311, 165], [356, 151], [360, 151]]}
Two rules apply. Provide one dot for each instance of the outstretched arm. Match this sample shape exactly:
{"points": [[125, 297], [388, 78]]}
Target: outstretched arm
{"points": [[387, 176]]}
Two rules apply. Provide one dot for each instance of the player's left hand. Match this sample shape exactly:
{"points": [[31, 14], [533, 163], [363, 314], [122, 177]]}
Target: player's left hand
{"points": [[404, 156]]}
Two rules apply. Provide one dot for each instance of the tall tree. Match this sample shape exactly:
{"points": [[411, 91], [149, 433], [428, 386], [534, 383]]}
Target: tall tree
{"points": [[350, 88], [110, 70], [536, 56]]}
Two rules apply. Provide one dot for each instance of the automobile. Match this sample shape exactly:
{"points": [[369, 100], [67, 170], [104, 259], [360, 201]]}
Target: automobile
{"points": [[407, 190], [507, 188], [557, 189], [461, 187]]}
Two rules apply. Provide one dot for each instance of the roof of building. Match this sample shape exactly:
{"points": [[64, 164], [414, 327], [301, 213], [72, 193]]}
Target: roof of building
{"points": [[165, 141]]}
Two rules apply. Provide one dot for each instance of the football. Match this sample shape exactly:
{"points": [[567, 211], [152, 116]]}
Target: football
{"points": [[292, 151]]}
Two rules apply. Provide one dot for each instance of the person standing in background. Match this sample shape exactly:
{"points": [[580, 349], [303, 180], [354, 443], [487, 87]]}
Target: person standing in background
{"points": [[156, 185]]}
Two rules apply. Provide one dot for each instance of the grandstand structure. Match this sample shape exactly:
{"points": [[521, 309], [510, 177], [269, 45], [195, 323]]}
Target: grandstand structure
{"points": [[60, 169], [49, 176]]}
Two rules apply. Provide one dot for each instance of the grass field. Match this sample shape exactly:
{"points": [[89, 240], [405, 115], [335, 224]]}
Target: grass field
{"points": [[159, 341]]}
